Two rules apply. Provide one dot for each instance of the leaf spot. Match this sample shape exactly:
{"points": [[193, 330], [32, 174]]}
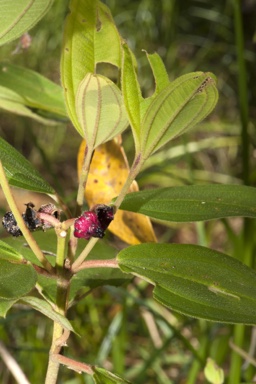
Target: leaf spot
{"points": [[98, 25], [205, 84], [221, 292]]}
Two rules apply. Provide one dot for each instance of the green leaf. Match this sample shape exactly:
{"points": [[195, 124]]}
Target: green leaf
{"points": [[35, 91], [16, 279], [213, 373], [9, 253], [100, 109], [86, 279], [45, 308], [131, 93], [193, 203], [195, 281], [159, 72], [20, 172], [47, 242], [18, 17], [177, 108], [102, 376], [10, 101], [90, 37], [5, 305], [171, 110]]}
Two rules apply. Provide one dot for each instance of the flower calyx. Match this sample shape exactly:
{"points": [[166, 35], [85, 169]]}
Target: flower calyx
{"points": [[93, 223]]}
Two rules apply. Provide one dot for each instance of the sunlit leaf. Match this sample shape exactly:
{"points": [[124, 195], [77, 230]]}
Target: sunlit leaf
{"points": [[20, 172], [90, 37], [18, 17], [177, 108], [102, 376], [17, 279], [100, 109], [131, 93], [31, 92], [46, 309], [195, 281], [108, 172], [159, 72], [10, 101], [213, 373], [172, 109], [194, 202]]}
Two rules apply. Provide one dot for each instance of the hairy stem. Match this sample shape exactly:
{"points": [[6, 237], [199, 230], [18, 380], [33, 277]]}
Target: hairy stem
{"points": [[63, 284], [135, 169], [83, 179], [84, 253], [112, 263], [73, 364]]}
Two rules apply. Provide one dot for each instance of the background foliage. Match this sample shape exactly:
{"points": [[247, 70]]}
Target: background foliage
{"points": [[189, 35]]}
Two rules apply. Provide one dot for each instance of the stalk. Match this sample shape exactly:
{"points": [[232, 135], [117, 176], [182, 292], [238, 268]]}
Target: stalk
{"points": [[135, 169], [83, 179], [63, 283]]}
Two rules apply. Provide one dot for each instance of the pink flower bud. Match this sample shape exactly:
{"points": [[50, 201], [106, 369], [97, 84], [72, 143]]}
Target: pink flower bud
{"points": [[94, 223], [87, 226]]}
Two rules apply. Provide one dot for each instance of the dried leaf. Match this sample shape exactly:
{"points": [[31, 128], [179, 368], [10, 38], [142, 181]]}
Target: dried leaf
{"points": [[108, 172]]}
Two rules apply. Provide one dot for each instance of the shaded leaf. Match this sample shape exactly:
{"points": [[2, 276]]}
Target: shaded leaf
{"points": [[87, 279], [16, 279], [90, 37], [9, 253], [18, 17], [45, 308], [194, 202], [95, 277], [33, 91], [46, 241], [195, 281], [5, 305], [100, 109], [20, 172], [108, 172], [102, 376]]}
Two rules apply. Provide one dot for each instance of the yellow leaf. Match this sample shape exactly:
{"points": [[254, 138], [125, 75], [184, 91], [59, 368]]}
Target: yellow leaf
{"points": [[108, 172]]}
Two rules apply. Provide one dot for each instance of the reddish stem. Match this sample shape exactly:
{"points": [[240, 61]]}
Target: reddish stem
{"points": [[72, 364], [112, 263]]}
